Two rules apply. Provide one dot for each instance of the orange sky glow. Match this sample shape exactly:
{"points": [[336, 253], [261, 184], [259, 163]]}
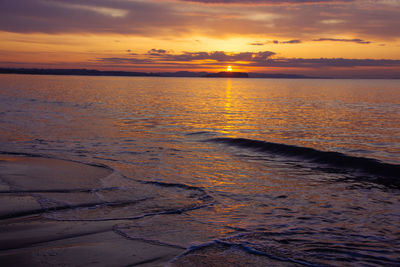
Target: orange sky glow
{"points": [[328, 38]]}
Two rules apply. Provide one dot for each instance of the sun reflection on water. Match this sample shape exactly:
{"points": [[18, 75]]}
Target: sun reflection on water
{"points": [[228, 108]]}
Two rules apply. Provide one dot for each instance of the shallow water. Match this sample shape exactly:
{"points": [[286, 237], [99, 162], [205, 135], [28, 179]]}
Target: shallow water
{"points": [[242, 161]]}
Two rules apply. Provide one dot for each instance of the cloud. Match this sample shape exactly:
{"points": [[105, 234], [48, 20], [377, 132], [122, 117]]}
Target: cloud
{"points": [[218, 56], [268, 2], [356, 19], [358, 41], [125, 60], [156, 52], [332, 62], [106, 11], [257, 43], [201, 59], [265, 62], [174, 18], [247, 59], [287, 42], [277, 42], [96, 16]]}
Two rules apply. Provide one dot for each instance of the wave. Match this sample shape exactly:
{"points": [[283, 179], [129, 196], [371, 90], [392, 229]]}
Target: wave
{"points": [[21, 154], [201, 133], [333, 159], [298, 247], [56, 191], [203, 195], [122, 218], [24, 213], [164, 184], [221, 247], [44, 156]]}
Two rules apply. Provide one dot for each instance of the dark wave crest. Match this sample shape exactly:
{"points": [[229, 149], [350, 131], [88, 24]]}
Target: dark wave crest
{"points": [[333, 159]]}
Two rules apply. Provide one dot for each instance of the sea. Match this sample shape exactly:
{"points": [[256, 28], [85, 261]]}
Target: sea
{"points": [[306, 171]]}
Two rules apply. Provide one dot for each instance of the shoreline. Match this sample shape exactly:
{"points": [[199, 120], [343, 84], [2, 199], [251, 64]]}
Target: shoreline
{"points": [[31, 238]]}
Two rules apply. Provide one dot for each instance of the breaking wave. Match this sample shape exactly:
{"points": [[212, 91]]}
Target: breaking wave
{"points": [[391, 172]]}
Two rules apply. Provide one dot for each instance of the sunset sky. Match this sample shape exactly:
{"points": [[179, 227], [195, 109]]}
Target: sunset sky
{"points": [[347, 38]]}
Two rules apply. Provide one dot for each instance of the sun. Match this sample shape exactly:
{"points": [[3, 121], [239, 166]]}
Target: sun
{"points": [[229, 68]]}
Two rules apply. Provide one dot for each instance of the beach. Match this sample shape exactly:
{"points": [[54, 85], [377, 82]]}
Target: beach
{"points": [[30, 238]]}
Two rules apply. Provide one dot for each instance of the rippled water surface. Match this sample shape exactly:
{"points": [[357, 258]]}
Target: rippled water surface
{"points": [[243, 161]]}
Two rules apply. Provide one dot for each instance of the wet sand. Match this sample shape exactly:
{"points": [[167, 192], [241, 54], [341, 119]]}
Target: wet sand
{"points": [[31, 236], [30, 239]]}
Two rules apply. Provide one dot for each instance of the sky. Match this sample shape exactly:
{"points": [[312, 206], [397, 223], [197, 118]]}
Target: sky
{"points": [[338, 38]]}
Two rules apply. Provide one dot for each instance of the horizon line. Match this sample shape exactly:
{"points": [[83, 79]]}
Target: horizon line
{"points": [[189, 74]]}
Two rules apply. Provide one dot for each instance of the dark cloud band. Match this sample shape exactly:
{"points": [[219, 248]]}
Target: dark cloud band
{"points": [[268, 2], [260, 59], [358, 41]]}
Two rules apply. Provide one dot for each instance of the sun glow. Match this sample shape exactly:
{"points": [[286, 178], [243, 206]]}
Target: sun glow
{"points": [[229, 68]]}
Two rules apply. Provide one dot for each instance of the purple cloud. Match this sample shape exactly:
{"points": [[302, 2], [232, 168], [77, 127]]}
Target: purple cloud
{"points": [[156, 52], [358, 41], [260, 59], [287, 42], [177, 18], [269, 2], [122, 60], [218, 56], [332, 62], [257, 43]]}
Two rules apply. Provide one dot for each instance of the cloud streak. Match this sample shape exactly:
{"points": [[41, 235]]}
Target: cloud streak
{"points": [[269, 2], [287, 42], [358, 41]]}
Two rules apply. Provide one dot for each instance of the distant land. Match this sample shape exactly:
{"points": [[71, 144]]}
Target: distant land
{"points": [[226, 74], [222, 74], [84, 72], [89, 72]]}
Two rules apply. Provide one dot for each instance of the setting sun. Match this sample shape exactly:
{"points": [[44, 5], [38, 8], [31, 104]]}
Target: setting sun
{"points": [[229, 68]]}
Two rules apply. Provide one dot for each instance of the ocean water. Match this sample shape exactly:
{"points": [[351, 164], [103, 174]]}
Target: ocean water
{"points": [[307, 171]]}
